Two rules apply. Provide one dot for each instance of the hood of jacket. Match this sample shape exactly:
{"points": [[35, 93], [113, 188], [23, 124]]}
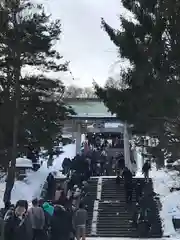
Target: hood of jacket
{"points": [[48, 208]]}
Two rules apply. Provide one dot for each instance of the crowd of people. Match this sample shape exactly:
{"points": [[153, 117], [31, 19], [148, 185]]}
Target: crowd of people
{"points": [[62, 214], [95, 163]]}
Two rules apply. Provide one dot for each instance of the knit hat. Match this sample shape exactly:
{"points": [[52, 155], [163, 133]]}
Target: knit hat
{"points": [[48, 208]]}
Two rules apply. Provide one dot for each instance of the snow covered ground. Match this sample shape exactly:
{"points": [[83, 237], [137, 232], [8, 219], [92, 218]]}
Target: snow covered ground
{"points": [[163, 180], [32, 186]]}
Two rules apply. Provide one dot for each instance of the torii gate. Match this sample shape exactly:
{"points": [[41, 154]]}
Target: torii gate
{"points": [[93, 110]]}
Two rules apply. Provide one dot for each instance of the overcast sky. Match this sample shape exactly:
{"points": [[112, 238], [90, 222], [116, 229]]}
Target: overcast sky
{"points": [[84, 43]]}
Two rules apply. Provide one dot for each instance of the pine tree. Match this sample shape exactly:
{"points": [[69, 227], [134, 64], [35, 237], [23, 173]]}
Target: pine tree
{"points": [[31, 107], [151, 43]]}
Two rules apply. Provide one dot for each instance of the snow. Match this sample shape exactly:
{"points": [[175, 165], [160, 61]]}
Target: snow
{"points": [[163, 181], [96, 207], [113, 125], [94, 115], [24, 162], [69, 152], [176, 163], [32, 185], [59, 175]]}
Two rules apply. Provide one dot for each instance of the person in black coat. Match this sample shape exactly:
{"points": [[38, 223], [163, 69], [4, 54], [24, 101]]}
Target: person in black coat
{"points": [[138, 190], [51, 186], [60, 228], [128, 191], [145, 170], [127, 175], [120, 162], [17, 226], [118, 178], [66, 165], [70, 214], [128, 184]]}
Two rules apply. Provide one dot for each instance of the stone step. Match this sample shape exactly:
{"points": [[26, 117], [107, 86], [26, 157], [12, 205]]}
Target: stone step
{"points": [[123, 235], [114, 218], [114, 215], [117, 211], [114, 223], [92, 194]]}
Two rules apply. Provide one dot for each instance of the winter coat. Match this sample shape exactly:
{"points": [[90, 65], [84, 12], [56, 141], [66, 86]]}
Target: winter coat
{"points": [[138, 189], [17, 229], [37, 217], [118, 180], [120, 162], [80, 217], [66, 163], [127, 175], [146, 167], [50, 180], [60, 228]]}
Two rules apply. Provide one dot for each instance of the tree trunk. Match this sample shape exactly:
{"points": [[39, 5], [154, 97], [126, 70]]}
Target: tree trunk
{"points": [[17, 72], [12, 167]]}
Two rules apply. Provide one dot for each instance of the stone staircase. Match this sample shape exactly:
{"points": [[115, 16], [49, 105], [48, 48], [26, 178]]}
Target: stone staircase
{"points": [[92, 194], [114, 215]]}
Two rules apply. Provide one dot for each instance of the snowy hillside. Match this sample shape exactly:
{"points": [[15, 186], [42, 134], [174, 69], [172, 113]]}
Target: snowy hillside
{"points": [[32, 186]]}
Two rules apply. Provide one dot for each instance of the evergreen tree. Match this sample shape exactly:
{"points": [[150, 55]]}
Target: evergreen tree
{"points": [[151, 43], [31, 107]]}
